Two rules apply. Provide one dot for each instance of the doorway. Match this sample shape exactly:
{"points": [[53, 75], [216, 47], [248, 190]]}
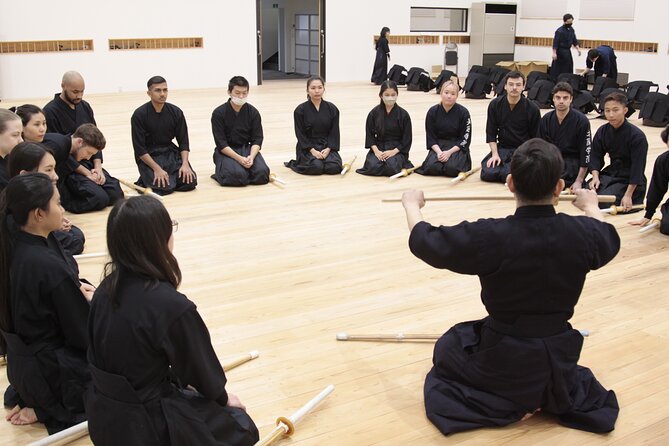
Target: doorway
{"points": [[290, 39]]}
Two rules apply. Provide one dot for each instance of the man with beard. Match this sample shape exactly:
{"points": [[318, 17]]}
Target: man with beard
{"points": [[569, 130]]}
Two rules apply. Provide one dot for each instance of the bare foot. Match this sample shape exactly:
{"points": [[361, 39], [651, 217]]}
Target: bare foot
{"points": [[529, 415], [24, 416]]}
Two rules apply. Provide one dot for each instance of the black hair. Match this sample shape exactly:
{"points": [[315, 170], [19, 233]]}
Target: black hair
{"points": [[385, 30], [665, 134], [563, 86], [23, 194], [26, 156], [238, 81], [26, 112], [567, 17], [593, 54], [138, 231], [380, 110], [616, 96], [314, 79], [155, 80], [514, 75], [536, 167]]}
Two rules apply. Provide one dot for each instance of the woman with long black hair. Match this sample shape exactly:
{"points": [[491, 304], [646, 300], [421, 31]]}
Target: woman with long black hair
{"points": [[380, 71]]}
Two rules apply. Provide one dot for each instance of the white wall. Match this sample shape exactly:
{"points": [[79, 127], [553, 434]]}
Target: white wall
{"points": [[270, 32], [229, 44], [350, 25], [649, 25]]}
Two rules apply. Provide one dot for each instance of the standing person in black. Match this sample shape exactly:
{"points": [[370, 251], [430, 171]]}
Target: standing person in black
{"points": [[659, 183], [380, 70], [522, 357], [317, 132], [565, 38], [627, 148], [238, 135], [162, 165], [43, 308], [64, 114], [387, 135], [448, 130], [11, 129], [512, 120], [156, 377], [569, 130]]}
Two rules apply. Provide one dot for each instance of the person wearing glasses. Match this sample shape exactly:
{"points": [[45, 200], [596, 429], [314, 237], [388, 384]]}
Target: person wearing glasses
{"points": [[156, 376]]}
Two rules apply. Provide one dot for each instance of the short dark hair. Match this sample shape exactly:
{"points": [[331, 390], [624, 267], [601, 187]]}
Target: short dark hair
{"points": [[26, 156], [155, 80], [91, 135], [593, 53], [665, 134], [617, 96], [238, 81], [514, 75], [23, 194], [536, 167], [563, 86], [567, 16], [26, 112], [138, 231]]}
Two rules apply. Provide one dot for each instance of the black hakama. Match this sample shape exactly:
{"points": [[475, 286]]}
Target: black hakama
{"points": [[447, 130], [509, 128], [659, 183], [153, 133], [239, 131], [78, 194], [627, 147], [395, 134], [565, 38], [523, 356], [145, 350], [380, 70], [47, 348], [316, 129], [572, 137]]}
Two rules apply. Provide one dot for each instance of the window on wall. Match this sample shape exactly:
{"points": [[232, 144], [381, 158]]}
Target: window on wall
{"points": [[438, 19]]}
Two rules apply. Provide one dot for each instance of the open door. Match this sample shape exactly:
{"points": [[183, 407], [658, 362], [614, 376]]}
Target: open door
{"points": [[259, 40], [321, 32]]}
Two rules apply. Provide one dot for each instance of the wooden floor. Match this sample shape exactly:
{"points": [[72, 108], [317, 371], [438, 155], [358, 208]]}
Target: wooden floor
{"points": [[283, 269]]}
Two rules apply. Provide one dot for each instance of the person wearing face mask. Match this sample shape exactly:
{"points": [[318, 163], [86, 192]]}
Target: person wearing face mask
{"points": [[388, 135], [35, 157], [564, 39], [448, 129], [237, 129], [79, 191], [627, 147], [10, 136], [317, 132], [162, 165], [512, 120], [569, 130]]}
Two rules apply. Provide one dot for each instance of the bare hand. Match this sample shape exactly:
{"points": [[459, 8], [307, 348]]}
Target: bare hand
{"points": [[412, 198], [233, 401], [586, 199], [316, 154], [186, 173], [555, 56], [641, 222], [87, 290], [444, 156], [100, 176], [161, 178], [594, 183], [626, 203], [494, 160], [576, 186], [325, 152], [66, 226]]}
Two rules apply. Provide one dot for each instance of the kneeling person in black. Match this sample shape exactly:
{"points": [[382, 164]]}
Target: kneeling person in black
{"points": [[512, 120], [162, 164], [237, 129]]}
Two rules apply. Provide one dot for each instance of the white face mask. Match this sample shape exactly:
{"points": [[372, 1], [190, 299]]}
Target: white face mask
{"points": [[238, 101], [389, 100]]}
